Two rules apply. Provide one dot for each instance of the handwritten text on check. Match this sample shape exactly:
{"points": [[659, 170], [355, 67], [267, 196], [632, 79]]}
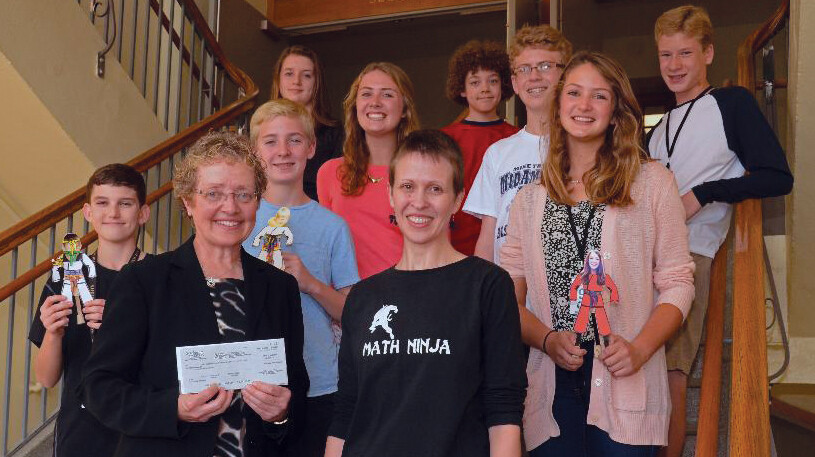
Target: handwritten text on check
{"points": [[231, 365]]}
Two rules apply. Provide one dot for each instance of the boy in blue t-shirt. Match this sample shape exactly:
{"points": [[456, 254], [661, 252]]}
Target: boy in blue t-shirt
{"points": [[316, 248]]}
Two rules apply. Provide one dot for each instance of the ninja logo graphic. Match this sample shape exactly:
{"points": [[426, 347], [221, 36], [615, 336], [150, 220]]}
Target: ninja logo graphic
{"points": [[382, 319]]}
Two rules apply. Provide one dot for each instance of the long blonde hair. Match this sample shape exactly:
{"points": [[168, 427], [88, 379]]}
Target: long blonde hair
{"points": [[354, 171], [620, 156]]}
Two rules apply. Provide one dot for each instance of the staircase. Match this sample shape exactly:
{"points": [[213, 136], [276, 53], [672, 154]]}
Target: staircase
{"points": [[732, 399], [171, 56]]}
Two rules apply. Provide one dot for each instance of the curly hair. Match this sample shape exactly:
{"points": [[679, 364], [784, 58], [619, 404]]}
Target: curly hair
{"points": [[215, 147], [353, 173], [542, 37], [319, 97], [620, 156], [474, 56]]}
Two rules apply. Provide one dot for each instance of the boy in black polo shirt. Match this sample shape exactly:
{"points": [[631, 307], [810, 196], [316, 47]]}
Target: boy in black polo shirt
{"points": [[115, 208]]}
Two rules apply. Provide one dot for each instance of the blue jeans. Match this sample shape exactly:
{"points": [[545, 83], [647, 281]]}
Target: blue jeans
{"points": [[570, 408]]}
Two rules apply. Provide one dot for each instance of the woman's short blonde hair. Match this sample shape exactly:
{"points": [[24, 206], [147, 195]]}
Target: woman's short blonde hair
{"points": [[277, 108], [690, 20], [215, 147]]}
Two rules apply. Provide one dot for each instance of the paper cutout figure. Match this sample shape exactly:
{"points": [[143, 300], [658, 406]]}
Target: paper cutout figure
{"points": [[271, 237], [73, 279], [574, 305], [593, 281]]}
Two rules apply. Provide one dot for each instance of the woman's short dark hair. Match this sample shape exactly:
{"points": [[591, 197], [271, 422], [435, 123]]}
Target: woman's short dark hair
{"points": [[436, 145], [117, 174]]}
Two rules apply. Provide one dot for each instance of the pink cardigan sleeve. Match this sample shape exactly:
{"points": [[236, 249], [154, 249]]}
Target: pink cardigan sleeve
{"points": [[673, 265], [512, 257]]}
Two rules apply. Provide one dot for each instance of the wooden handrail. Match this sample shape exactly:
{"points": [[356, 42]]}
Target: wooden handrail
{"points": [[54, 213], [707, 434], [749, 392]]}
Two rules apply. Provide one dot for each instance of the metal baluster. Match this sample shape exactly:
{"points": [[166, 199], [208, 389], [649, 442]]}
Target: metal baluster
{"points": [[221, 90], [52, 234], [121, 27], [27, 372], [9, 353], [70, 223], [212, 84], [170, 30], [146, 47], [133, 41], [180, 226], [85, 225], [180, 71], [192, 75], [158, 207], [169, 208], [159, 28], [202, 79], [144, 227]]}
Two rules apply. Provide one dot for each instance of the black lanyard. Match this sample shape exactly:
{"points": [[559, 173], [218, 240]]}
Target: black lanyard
{"points": [[92, 283], [672, 145], [581, 244], [133, 258]]}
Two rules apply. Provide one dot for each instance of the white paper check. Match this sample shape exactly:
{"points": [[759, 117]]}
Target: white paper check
{"points": [[231, 365]]}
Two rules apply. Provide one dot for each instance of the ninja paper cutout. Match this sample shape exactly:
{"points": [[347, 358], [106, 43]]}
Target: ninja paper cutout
{"points": [[73, 279], [593, 281], [271, 238]]}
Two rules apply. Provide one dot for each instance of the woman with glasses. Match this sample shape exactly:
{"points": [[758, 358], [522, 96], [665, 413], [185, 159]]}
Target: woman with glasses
{"points": [[207, 291]]}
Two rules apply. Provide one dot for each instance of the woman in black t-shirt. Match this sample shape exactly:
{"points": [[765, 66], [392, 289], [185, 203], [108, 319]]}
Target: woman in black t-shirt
{"points": [[431, 361]]}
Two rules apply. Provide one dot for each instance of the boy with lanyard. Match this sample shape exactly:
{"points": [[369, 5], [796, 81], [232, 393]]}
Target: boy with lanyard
{"points": [[537, 57], [709, 140], [116, 209], [478, 78], [321, 257]]}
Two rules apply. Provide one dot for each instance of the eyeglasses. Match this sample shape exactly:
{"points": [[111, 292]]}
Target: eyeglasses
{"points": [[215, 196], [543, 67]]}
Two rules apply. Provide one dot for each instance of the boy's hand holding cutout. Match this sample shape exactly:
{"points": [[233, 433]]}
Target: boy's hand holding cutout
{"points": [[54, 314], [296, 268], [93, 311]]}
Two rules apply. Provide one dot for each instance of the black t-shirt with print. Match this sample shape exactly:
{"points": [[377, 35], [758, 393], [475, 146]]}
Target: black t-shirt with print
{"points": [[77, 433], [429, 360]]}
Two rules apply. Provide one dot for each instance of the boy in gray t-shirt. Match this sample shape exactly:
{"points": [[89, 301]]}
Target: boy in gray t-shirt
{"points": [[316, 248]]}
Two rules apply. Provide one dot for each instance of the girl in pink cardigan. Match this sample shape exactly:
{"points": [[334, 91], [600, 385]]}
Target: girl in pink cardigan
{"points": [[599, 192]]}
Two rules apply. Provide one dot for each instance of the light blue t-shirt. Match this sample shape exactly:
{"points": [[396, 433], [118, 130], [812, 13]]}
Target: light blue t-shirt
{"points": [[323, 242]]}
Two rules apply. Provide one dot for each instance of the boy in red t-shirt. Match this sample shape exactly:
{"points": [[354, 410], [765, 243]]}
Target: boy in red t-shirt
{"points": [[478, 78]]}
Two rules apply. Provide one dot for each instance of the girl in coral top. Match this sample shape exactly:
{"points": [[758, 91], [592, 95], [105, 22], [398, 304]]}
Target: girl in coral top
{"points": [[379, 114], [598, 191]]}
